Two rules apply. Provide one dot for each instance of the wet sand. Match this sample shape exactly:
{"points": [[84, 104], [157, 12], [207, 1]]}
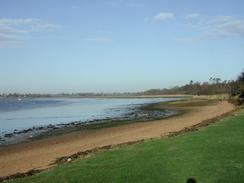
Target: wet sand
{"points": [[39, 154]]}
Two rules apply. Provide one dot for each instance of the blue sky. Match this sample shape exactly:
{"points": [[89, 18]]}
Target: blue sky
{"points": [[117, 45]]}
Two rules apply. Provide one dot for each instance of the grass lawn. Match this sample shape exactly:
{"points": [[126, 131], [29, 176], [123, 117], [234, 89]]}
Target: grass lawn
{"points": [[214, 154]]}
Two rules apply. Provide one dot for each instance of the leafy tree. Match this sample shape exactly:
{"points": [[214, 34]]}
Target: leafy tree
{"points": [[241, 77]]}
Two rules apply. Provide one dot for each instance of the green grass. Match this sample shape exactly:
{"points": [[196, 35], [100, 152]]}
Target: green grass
{"points": [[192, 103], [214, 154]]}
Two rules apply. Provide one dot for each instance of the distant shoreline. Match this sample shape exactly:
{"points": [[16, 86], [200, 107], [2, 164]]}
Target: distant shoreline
{"points": [[97, 96]]}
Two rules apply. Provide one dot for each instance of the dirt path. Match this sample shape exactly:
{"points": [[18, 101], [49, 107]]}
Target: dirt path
{"points": [[39, 154]]}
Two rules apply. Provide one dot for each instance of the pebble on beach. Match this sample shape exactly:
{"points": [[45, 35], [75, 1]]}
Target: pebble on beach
{"points": [[69, 160]]}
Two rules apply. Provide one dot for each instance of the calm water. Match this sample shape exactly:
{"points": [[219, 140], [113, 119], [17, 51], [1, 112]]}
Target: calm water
{"points": [[27, 113]]}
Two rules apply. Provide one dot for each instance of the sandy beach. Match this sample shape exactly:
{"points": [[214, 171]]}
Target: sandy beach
{"points": [[40, 154]]}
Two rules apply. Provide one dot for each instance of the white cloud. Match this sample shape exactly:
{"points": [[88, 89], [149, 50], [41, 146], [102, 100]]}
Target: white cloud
{"points": [[7, 38], [12, 29], [215, 27], [223, 26], [192, 16], [163, 16], [26, 25]]}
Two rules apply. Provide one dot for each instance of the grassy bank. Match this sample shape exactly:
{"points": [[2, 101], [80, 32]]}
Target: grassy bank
{"points": [[211, 155]]}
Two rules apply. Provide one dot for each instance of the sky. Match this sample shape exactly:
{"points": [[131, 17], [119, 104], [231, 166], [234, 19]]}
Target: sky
{"points": [[117, 45]]}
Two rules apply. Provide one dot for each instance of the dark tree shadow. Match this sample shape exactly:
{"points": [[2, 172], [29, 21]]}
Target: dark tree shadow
{"points": [[191, 180]]}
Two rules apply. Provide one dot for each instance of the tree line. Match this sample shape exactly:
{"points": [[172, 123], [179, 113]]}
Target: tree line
{"points": [[235, 88], [213, 86]]}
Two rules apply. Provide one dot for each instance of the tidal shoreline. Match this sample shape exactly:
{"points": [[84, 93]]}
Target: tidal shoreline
{"points": [[143, 113], [43, 153]]}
